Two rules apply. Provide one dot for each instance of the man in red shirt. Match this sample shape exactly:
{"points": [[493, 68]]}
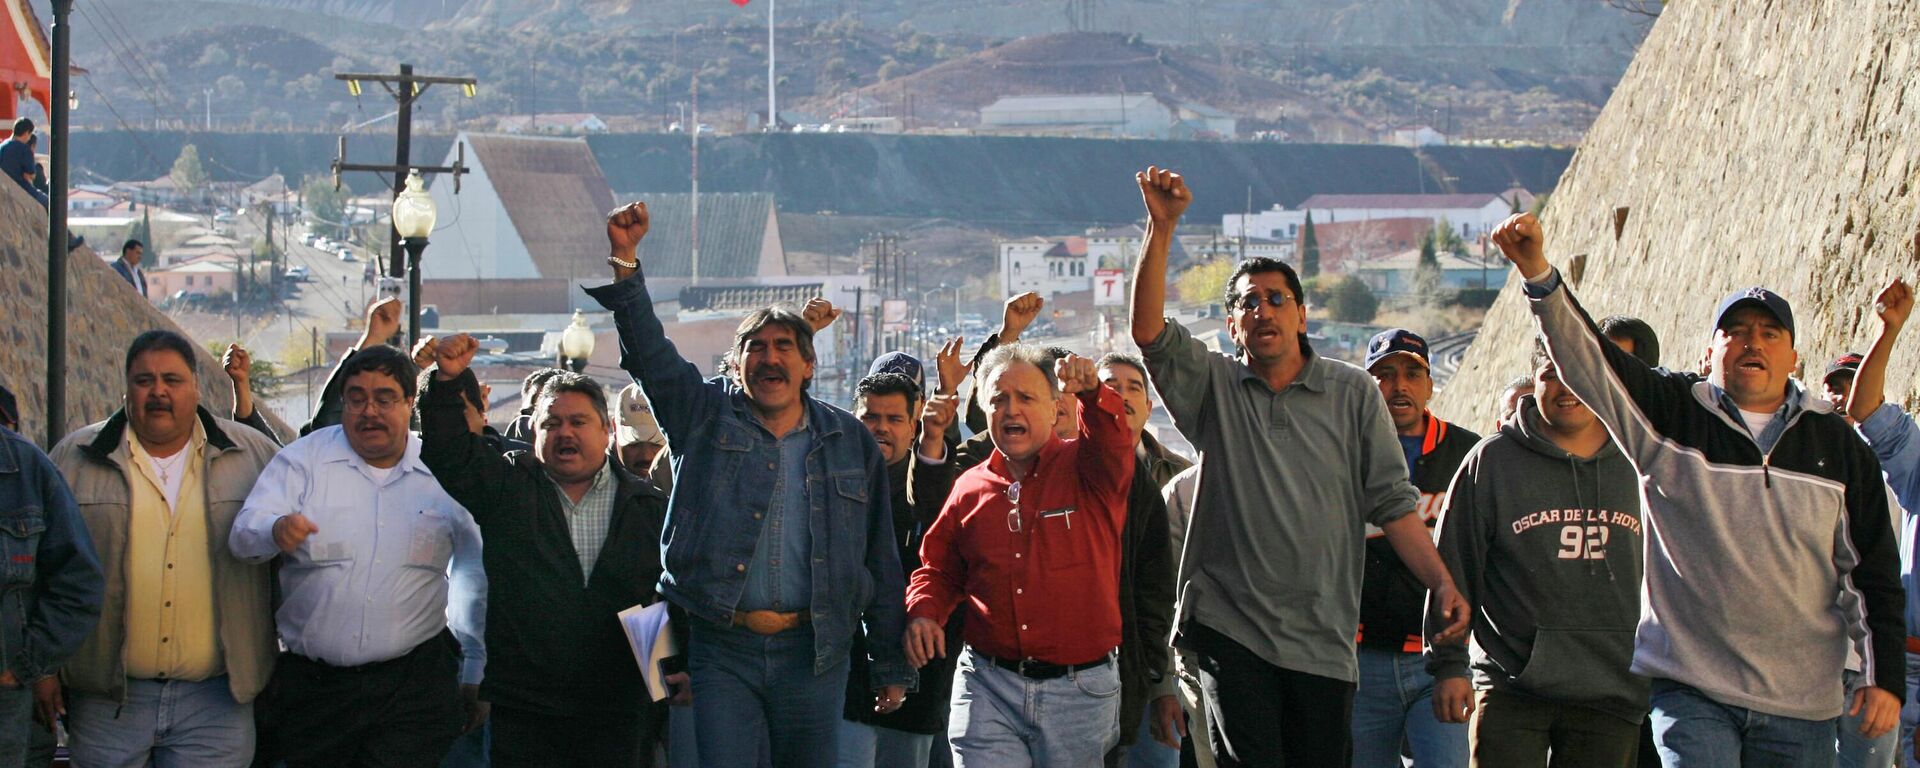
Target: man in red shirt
{"points": [[1030, 540]]}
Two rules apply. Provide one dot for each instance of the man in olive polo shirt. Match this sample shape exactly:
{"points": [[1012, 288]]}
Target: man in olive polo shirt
{"points": [[1300, 456]]}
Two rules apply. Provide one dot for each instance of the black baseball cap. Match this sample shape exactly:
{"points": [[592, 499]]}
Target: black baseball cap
{"points": [[1396, 341], [1849, 362], [1755, 297]]}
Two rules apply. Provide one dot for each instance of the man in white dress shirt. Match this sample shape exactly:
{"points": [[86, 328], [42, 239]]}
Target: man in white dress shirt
{"points": [[373, 674]]}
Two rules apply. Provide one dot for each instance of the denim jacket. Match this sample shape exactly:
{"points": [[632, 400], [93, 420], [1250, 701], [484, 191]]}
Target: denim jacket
{"points": [[50, 585], [719, 448]]}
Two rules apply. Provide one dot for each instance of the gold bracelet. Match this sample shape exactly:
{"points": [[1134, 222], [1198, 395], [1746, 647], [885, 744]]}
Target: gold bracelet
{"points": [[635, 264]]}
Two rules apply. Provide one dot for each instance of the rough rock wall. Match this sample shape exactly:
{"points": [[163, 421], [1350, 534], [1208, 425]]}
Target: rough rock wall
{"points": [[1749, 143], [103, 316]]}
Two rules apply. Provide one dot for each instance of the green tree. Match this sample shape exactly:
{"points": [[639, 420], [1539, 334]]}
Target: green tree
{"points": [[1309, 249], [1350, 301], [326, 207], [189, 176], [1539, 206], [1204, 283]]}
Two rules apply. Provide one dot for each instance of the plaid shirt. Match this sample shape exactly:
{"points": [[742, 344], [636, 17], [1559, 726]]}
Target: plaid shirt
{"points": [[589, 519]]}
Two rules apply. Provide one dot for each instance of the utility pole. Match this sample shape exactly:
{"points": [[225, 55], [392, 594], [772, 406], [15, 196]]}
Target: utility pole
{"points": [[405, 87], [209, 105], [57, 257], [695, 130], [772, 110]]}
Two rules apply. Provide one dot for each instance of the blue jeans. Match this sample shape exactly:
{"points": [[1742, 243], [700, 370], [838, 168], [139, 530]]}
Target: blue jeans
{"points": [[758, 692], [1910, 713], [1694, 731], [1147, 753], [1000, 719], [16, 724], [1394, 705], [1858, 751], [867, 746], [166, 724]]}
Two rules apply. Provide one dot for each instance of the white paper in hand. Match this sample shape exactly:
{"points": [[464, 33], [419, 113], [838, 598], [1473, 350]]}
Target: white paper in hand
{"points": [[650, 636]]}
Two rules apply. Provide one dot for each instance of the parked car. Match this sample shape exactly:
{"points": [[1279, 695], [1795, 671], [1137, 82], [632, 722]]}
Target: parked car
{"points": [[309, 238], [346, 254], [298, 273]]}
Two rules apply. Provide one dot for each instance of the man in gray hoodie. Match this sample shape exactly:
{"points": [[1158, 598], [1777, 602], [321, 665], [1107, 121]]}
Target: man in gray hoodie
{"points": [[1546, 509]]}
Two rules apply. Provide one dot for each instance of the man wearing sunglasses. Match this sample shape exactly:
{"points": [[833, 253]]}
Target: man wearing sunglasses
{"points": [[1030, 542], [1301, 456]]}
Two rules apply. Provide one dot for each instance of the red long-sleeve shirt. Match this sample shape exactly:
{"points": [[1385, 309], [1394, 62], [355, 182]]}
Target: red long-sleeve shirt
{"points": [[1050, 591]]}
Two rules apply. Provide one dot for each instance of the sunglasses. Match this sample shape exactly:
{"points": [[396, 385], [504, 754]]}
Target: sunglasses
{"points": [[1252, 301]]}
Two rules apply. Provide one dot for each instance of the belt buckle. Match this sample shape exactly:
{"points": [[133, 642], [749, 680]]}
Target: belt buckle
{"points": [[1022, 667], [763, 622]]}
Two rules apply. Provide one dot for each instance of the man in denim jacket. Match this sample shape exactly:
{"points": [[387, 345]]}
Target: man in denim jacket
{"points": [[778, 539], [52, 585]]}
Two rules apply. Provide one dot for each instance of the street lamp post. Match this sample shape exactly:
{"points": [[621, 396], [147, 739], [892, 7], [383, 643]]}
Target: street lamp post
{"points": [[576, 344], [413, 217]]}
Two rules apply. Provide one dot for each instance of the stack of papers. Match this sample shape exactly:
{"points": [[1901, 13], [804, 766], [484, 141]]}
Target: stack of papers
{"points": [[650, 636]]}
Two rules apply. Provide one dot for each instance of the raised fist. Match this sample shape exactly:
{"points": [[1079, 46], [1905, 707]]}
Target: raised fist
{"points": [[1894, 304], [1165, 193], [423, 351], [383, 320], [1019, 313], [626, 226], [1520, 240], [238, 364], [454, 355], [820, 313], [1076, 374]]}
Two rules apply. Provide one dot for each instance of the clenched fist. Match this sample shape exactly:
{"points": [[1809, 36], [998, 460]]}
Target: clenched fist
{"points": [[383, 321], [1164, 192], [291, 531], [1076, 374], [1521, 241], [1019, 313], [820, 313], [454, 355]]}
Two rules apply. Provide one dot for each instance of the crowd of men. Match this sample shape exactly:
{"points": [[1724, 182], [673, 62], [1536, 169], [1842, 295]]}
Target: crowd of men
{"points": [[1638, 565]]}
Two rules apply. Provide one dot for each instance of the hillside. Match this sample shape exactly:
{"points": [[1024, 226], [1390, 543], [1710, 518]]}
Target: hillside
{"points": [[1534, 70]]}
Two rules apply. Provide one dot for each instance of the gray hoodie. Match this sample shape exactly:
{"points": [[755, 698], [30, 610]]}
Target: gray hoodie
{"points": [[1546, 547]]}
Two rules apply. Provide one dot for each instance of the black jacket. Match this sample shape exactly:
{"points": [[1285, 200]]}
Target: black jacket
{"points": [[1146, 584], [554, 643], [1392, 599], [925, 710]]}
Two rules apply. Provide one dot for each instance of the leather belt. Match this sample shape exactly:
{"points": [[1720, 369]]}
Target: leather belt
{"points": [[1034, 669], [770, 622]]}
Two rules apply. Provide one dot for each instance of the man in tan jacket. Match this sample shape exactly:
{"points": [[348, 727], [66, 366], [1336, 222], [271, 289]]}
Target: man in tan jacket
{"points": [[185, 640]]}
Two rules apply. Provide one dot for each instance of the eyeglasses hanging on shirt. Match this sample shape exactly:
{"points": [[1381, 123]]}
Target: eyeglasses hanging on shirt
{"points": [[1013, 517]]}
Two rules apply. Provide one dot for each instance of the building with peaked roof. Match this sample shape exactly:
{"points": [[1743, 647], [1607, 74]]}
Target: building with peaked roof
{"points": [[527, 226], [25, 60], [558, 122], [1395, 275], [739, 237]]}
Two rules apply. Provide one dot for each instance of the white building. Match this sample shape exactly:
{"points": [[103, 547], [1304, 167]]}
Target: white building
{"points": [[1132, 115], [1032, 264], [563, 123], [1470, 214]]}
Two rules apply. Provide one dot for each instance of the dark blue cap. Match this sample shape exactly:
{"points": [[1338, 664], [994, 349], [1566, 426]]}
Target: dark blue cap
{"points": [[1755, 297], [901, 363], [1395, 341]]}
